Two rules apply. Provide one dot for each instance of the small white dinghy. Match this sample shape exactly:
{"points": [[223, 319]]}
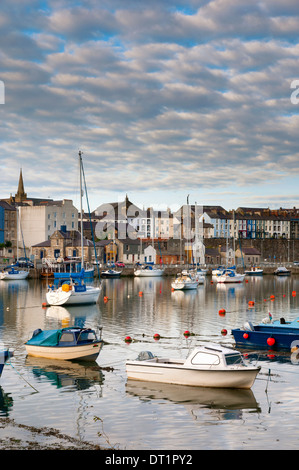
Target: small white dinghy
{"points": [[209, 365]]}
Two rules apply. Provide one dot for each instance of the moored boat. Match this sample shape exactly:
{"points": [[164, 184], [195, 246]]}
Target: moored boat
{"points": [[73, 293], [5, 355], [111, 273], [210, 365], [278, 334], [254, 271], [230, 276], [148, 271], [71, 343], [282, 271], [13, 274], [184, 282]]}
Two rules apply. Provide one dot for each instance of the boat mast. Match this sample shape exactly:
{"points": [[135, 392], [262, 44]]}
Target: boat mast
{"points": [[81, 209]]}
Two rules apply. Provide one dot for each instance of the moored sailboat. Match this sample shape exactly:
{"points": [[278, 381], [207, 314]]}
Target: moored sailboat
{"points": [[75, 292]]}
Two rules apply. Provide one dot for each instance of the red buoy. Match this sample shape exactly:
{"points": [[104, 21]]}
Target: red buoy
{"points": [[186, 333], [156, 336], [128, 339], [140, 293], [222, 311], [251, 303], [224, 332], [294, 293], [270, 341], [246, 336]]}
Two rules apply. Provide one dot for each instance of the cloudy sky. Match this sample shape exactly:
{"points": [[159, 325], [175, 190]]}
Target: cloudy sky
{"points": [[165, 98]]}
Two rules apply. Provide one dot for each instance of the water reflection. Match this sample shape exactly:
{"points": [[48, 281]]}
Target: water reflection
{"points": [[74, 315], [227, 403], [74, 375], [6, 403], [68, 397]]}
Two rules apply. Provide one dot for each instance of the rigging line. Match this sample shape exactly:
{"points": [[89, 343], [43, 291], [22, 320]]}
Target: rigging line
{"points": [[91, 227], [9, 362]]}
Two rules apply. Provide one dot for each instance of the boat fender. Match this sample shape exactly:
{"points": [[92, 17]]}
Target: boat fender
{"points": [[248, 326], [270, 341]]}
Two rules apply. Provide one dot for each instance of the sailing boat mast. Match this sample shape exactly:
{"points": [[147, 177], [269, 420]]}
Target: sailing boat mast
{"points": [[81, 208]]}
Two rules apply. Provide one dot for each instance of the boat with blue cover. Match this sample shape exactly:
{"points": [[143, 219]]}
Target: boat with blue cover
{"points": [[274, 335], [72, 343]]}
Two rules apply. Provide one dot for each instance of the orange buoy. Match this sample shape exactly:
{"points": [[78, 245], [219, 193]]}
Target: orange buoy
{"points": [[140, 293], [251, 303], [44, 304], [245, 335], [105, 299], [272, 297]]}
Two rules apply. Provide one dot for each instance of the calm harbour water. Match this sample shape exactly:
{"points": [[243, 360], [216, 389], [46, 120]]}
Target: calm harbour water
{"points": [[96, 403]]}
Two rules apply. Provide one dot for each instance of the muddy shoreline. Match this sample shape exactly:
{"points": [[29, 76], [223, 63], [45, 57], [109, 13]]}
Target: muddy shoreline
{"points": [[14, 436]]}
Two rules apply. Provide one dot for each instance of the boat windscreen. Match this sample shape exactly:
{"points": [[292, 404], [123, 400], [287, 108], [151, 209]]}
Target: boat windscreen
{"points": [[233, 359]]}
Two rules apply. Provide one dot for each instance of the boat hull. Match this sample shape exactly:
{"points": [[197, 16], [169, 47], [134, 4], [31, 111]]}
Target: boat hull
{"points": [[59, 297], [233, 378], [184, 285], [14, 276], [230, 280], [111, 274], [149, 273], [87, 352], [5, 355], [254, 339], [258, 272]]}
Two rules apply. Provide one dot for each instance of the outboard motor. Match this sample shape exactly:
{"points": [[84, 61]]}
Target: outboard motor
{"points": [[248, 326], [145, 355]]}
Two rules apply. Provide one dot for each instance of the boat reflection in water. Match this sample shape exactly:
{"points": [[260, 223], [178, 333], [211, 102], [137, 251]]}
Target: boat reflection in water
{"points": [[80, 376], [228, 403], [6, 403]]}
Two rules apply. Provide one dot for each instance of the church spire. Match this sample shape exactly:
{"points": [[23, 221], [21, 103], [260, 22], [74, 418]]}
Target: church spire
{"points": [[21, 195]]}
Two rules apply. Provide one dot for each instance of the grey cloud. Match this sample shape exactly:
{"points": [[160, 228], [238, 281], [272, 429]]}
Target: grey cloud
{"points": [[166, 96]]}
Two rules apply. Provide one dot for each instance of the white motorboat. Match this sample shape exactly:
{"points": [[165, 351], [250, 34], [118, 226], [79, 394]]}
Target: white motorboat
{"points": [[230, 276], [73, 293], [13, 274], [111, 273], [184, 282], [210, 365], [254, 272], [71, 343], [148, 271]]}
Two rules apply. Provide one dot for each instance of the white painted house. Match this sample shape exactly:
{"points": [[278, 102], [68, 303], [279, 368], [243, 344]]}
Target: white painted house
{"points": [[39, 222]]}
